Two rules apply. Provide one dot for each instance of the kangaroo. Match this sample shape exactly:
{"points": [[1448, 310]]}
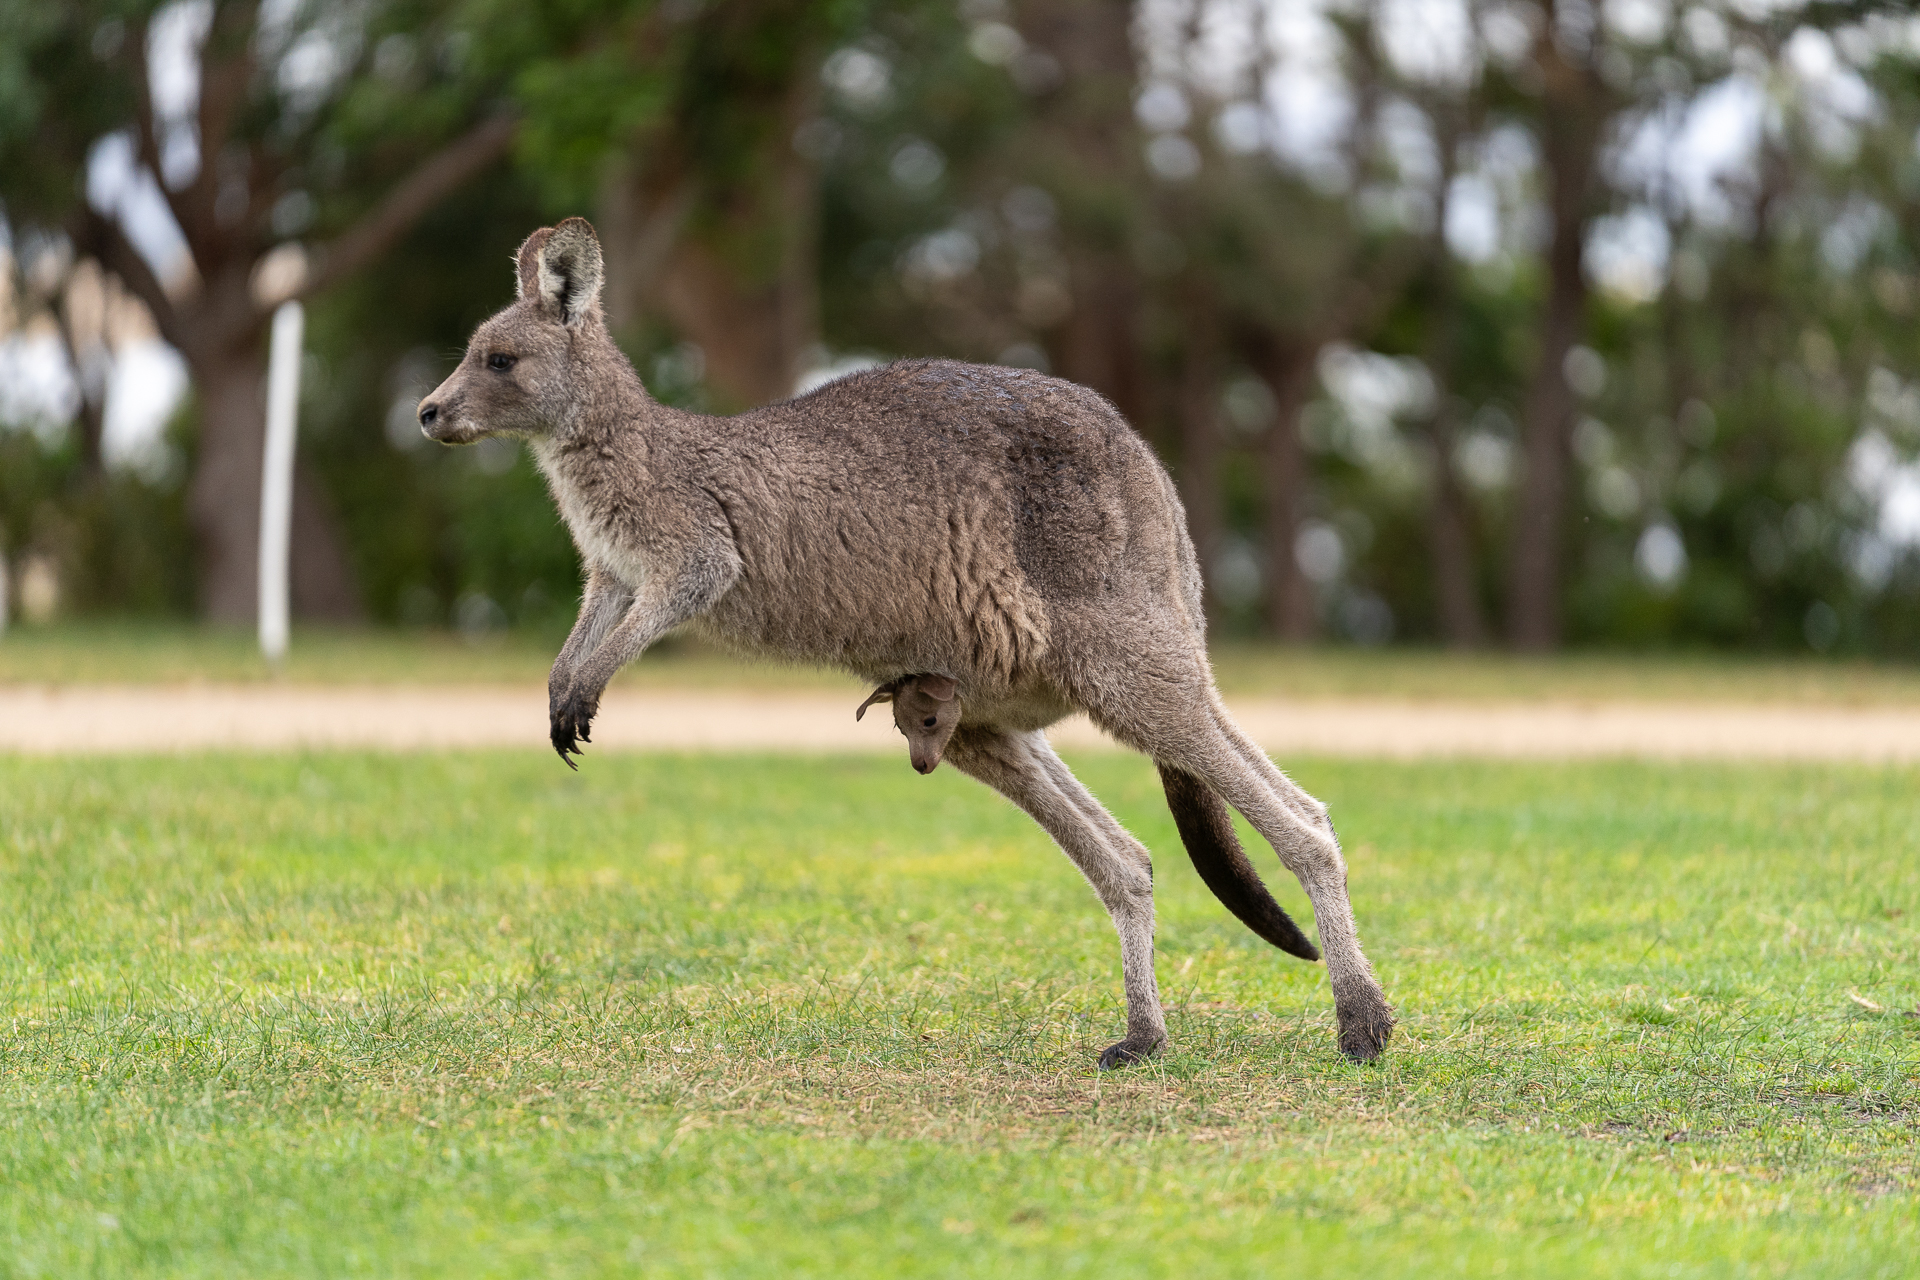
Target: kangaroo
{"points": [[1003, 527], [926, 710]]}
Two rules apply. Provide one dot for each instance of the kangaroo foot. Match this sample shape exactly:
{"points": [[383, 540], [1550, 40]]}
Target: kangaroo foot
{"points": [[1366, 1023], [1135, 1048]]}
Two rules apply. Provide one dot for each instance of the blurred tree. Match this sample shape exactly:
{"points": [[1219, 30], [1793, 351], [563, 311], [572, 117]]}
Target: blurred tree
{"points": [[436, 536], [1293, 262], [1596, 316], [705, 195], [254, 128], [1081, 145], [1572, 109], [1461, 618]]}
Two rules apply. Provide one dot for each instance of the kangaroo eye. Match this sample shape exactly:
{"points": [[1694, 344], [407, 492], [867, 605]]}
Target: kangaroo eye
{"points": [[931, 721], [499, 362]]}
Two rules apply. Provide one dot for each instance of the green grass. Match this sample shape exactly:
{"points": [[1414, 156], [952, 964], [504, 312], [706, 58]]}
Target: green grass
{"points": [[148, 653], [471, 1015]]}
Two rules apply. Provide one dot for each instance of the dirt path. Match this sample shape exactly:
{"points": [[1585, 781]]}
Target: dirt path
{"points": [[125, 719]]}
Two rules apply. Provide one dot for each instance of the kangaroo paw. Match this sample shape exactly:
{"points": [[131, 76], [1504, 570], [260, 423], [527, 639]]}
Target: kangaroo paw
{"points": [[1135, 1048], [1366, 1023], [569, 724]]}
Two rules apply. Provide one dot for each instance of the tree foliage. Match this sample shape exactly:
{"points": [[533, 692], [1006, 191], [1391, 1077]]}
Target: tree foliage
{"points": [[1483, 334]]}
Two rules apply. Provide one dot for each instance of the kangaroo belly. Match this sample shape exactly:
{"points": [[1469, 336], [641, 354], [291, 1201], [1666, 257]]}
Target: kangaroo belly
{"points": [[882, 593]]}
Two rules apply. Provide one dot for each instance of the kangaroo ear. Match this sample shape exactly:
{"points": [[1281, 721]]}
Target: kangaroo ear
{"points": [[561, 267], [940, 688], [526, 263], [883, 694]]}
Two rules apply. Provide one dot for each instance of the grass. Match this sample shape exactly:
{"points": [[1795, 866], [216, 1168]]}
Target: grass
{"points": [[470, 1015], [149, 653]]}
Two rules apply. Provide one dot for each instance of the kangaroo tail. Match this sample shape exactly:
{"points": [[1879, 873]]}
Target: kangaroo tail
{"points": [[1207, 830]]}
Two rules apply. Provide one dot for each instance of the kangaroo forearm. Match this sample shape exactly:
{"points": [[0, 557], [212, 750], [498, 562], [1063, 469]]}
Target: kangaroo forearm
{"points": [[570, 711], [627, 641], [585, 637], [664, 602], [605, 603]]}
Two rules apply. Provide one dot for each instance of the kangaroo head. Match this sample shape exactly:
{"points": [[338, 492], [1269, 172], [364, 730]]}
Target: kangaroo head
{"points": [[527, 370], [926, 709]]}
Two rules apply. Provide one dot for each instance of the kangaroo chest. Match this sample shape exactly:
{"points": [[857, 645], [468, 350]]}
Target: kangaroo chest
{"points": [[591, 520]]}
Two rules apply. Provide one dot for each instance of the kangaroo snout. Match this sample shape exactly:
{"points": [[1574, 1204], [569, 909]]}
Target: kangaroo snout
{"points": [[437, 423]]}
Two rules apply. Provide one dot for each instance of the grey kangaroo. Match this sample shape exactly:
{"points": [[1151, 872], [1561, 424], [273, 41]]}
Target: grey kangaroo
{"points": [[1005, 529]]}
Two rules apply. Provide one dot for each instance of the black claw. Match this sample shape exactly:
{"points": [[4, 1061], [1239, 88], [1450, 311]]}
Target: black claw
{"points": [[572, 725], [563, 743]]}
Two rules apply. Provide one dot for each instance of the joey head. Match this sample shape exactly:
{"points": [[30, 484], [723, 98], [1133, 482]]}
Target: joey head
{"points": [[926, 708]]}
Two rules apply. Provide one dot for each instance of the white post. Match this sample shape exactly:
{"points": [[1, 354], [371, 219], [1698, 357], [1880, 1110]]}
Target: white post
{"points": [[276, 477]]}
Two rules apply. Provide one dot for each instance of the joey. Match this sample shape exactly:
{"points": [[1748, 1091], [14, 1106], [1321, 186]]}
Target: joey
{"points": [[926, 710]]}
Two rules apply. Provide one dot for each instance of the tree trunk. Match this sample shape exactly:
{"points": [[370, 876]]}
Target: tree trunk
{"points": [[91, 364], [641, 213], [745, 287], [1449, 525], [1200, 441], [740, 285], [1546, 430], [1096, 346], [716, 231], [753, 332], [223, 502], [1290, 606], [1087, 152], [1573, 118], [1457, 595], [322, 586]]}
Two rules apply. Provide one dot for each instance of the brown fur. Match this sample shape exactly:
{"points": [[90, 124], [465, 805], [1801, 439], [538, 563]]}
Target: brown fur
{"points": [[1002, 527]]}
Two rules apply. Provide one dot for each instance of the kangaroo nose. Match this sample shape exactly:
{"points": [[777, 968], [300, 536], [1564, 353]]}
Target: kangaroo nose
{"points": [[429, 413]]}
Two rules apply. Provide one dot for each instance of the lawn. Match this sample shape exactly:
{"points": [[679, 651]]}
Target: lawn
{"points": [[173, 653], [472, 1015]]}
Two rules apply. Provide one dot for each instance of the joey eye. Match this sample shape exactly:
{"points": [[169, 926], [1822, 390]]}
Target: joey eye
{"points": [[931, 721], [499, 362]]}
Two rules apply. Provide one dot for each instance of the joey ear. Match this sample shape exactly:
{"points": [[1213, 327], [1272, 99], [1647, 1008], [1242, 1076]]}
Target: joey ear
{"points": [[940, 688], [561, 267], [883, 694]]}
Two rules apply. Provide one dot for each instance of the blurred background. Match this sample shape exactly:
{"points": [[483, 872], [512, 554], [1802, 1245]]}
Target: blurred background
{"points": [[1485, 325]]}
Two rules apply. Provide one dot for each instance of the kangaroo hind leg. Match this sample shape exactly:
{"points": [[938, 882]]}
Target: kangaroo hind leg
{"points": [[1291, 793], [1022, 767], [1189, 731]]}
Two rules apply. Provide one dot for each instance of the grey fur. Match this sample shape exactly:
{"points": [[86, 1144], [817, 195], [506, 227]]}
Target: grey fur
{"points": [[1002, 527]]}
